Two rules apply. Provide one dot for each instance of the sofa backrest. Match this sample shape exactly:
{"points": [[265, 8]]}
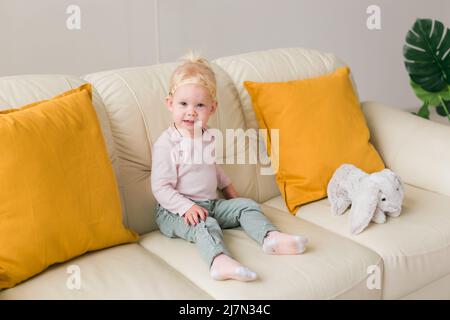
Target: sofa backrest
{"points": [[131, 107], [135, 102]]}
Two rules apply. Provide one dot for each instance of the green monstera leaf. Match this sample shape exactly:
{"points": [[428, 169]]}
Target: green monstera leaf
{"points": [[431, 98], [443, 111], [427, 60], [426, 54], [423, 111]]}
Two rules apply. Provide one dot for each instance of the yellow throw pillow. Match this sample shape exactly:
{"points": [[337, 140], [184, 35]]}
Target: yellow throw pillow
{"points": [[321, 126], [58, 194]]}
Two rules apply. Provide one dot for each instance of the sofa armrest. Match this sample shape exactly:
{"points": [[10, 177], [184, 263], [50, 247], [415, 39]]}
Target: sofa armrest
{"points": [[417, 149]]}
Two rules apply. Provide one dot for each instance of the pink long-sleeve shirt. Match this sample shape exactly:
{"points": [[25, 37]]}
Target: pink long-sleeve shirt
{"points": [[178, 176]]}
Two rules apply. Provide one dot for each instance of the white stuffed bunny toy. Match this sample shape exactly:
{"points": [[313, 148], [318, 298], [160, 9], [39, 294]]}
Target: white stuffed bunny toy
{"points": [[371, 196]]}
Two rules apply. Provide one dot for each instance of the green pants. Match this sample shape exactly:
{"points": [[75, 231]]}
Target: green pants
{"points": [[223, 214]]}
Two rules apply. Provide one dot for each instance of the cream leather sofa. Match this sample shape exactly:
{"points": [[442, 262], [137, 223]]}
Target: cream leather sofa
{"points": [[410, 254]]}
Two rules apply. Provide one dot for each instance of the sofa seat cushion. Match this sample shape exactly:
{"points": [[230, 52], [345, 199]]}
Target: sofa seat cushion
{"points": [[332, 266], [415, 247], [123, 272], [437, 290]]}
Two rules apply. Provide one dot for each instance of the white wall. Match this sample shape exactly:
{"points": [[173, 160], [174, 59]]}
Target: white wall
{"points": [[122, 33], [113, 34]]}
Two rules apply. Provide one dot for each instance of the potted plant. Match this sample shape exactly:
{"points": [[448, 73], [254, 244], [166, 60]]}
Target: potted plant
{"points": [[427, 60]]}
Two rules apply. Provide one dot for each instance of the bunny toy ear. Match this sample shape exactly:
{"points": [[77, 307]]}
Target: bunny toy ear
{"points": [[363, 207], [387, 174], [399, 181]]}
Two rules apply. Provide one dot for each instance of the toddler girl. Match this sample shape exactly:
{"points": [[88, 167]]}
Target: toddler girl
{"points": [[188, 206]]}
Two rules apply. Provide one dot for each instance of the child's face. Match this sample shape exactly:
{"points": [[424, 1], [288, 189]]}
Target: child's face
{"points": [[191, 104]]}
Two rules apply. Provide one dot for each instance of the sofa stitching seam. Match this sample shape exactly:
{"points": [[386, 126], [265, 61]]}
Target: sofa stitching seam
{"points": [[176, 271], [133, 93], [119, 171]]}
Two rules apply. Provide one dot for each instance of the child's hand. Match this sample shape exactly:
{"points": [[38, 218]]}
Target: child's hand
{"points": [[192, 215], [229, 192]]}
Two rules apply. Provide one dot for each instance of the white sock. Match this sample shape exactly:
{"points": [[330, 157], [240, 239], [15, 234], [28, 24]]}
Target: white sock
{"points": [[225, 268], [282, 243]]}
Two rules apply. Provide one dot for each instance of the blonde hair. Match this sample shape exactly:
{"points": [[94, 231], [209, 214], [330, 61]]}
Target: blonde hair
{"points": [[193, 70]]}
